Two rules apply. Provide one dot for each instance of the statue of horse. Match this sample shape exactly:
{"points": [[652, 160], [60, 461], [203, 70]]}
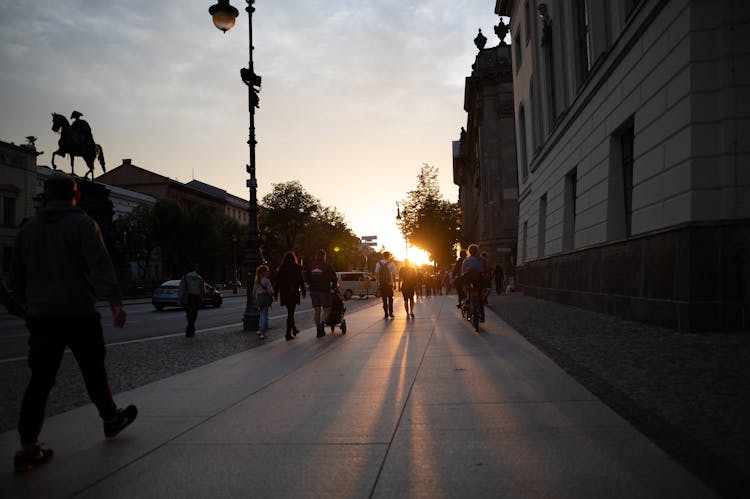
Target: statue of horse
{"points": [[76, 140]]}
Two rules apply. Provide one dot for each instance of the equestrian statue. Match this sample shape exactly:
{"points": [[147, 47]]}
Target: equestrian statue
{"points": [[76, 140]]}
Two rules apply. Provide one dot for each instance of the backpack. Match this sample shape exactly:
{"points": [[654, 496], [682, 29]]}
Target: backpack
{"points": [[193, 284], [384, 274]]}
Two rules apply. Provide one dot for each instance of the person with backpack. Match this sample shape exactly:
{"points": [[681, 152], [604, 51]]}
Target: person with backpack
{"points": [[407, 277], [385, 273], [192, 291]]}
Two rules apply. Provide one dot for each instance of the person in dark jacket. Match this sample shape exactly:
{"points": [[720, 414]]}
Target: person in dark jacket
{"points": [[289, 286], [321, 278], [457, 278], [59, 264]]}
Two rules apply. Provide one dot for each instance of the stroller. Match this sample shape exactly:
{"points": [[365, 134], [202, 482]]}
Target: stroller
{"points": [[336, 317]]}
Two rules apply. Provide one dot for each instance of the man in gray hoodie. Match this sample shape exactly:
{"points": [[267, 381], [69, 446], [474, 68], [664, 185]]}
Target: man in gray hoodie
{"points": [[59, 264]]}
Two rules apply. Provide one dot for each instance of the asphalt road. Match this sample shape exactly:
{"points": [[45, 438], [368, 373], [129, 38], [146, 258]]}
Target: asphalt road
{"points": [[144, 322]]}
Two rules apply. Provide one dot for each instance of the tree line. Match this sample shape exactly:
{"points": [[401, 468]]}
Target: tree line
{"points": [[289, 218]]}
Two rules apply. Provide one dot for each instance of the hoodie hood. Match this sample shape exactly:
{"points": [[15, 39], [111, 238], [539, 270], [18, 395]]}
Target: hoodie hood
{"points": [[56, 210]]}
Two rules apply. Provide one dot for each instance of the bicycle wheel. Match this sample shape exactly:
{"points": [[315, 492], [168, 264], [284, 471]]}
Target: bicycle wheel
{"points": [[475, 318]]}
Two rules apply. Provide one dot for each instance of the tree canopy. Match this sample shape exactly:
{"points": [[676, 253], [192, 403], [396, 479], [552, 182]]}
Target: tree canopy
{"points": [[430, 222], [290, 218]]}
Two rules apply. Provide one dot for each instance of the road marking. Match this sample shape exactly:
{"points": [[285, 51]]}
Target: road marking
{"points": [[172, 335]]}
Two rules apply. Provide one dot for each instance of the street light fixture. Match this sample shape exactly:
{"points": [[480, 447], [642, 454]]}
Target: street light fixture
{"points": [[224, 15], [406, 238]]}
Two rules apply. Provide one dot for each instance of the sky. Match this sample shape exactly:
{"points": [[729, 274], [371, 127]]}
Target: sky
{"points": [[356, 95]]}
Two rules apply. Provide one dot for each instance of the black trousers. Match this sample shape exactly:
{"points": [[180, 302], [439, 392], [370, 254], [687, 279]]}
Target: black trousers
{"points": [[191, 310], [290, 326], [48, 337], [386, 293]]}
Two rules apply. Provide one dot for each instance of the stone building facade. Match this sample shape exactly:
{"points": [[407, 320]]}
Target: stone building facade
{"points": [[484, 158], [17, 195], [633, 132]]}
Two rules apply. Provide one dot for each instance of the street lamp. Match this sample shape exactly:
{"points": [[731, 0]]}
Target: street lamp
{"points": [[224, 15], [406, 238]]}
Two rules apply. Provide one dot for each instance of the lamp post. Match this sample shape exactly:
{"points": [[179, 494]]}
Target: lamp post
{"points": [[224, 15], [406, 238]]}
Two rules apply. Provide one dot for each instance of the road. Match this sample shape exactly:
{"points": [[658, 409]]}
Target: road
{"points": [[144, 322]]}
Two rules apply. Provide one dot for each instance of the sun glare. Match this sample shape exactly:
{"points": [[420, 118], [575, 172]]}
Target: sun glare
{"points": [[417, 256]]}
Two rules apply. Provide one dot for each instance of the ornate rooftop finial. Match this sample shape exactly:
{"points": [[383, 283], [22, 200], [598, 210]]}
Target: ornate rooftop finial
{"points": [[501, 30], [480, 41]]}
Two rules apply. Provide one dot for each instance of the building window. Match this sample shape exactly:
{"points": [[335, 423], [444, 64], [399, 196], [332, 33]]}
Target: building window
{"points": [[569, 210], [626, 151], [542, 225], [583, 46], [527, 20], [522, 156], [517, 43], [620, 189], [9, 211]]}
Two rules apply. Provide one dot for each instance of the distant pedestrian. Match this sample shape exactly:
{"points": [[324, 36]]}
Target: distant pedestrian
{"points": [[385, 273], [289, 286], [263, 294], [487, 277], [321, 279], [457, 279], [59, 265], [192, 291], [498, 279], [407, 278]]}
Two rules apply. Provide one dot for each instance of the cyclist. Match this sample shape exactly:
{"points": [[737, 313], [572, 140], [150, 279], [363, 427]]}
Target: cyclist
{"points": [[472, 271]]}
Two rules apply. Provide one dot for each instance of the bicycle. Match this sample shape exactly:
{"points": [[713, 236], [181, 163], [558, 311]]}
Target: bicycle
{"points": [[473, 308]]}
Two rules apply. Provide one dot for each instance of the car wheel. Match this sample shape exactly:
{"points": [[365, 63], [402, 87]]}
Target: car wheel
{"points": [[217, 303], [159, 307], [348, 294]]}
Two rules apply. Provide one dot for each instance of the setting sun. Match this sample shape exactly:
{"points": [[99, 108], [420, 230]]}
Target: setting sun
{"points": [[417, 256]]}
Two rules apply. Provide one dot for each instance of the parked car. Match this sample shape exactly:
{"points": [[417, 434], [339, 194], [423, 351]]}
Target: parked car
{"points": [[167, 295], [357, 283]]}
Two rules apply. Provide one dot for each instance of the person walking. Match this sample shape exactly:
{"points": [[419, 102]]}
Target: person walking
{"points": [[192, 291], [385, 273], [321, 279], [407, 278], [263, 293], [289, 286], [498, 279], [457, 278], [59, 265]]}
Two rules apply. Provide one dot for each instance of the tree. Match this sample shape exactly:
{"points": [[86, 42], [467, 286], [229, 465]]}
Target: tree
{"points": [[138, 239], [293, 219], [430, 222]]}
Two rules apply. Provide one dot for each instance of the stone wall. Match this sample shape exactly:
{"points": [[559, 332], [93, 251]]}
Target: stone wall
{"points": [[692, 278]]}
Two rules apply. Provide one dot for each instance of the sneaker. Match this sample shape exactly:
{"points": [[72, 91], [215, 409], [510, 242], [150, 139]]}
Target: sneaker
{"points": [[121, 421], [27, 460], [385, 316], [392, 315], [412, 315]]}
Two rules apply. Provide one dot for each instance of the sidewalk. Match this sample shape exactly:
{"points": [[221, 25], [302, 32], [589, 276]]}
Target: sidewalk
{"points": [[397, 408]]}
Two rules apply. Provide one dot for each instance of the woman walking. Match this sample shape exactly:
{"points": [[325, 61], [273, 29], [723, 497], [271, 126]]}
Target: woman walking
{"points": [[263, 293], [289, 286]]}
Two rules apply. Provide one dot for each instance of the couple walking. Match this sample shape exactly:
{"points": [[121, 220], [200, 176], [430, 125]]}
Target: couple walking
{"points": [[385, 273]]}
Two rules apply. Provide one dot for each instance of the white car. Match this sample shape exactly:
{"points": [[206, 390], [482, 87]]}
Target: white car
{"points": [[361, 284]]}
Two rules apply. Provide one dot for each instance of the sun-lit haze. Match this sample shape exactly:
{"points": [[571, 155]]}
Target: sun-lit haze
{"points": [[355, 95]]}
